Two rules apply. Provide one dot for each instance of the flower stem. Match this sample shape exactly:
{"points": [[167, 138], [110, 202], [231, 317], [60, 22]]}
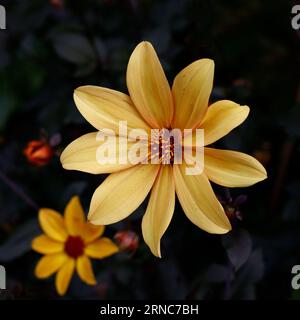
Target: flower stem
{"points": [[18, 190]]}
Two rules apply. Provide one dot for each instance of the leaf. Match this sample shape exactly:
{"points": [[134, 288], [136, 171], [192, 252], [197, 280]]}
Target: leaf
{"points": [[8, 102], [217, 273], [172, 280], [5, 56], [74, 48], [101, 49], [20, 242], [75, 188], [253, 270], [238, 245]]}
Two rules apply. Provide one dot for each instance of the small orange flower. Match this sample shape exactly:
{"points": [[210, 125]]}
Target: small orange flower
{"points": [[68, 244], [38, 152], [127, 240]]}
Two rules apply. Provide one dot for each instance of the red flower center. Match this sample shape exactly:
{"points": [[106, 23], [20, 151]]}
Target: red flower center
{"points": [[74, 247]]}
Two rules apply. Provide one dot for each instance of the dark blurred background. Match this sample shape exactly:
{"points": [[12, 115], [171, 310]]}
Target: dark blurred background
{"points": [[50, 47]]}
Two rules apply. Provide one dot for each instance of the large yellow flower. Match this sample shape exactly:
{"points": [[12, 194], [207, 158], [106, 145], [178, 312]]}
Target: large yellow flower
{"points": [[68, 244], [152, 104]]}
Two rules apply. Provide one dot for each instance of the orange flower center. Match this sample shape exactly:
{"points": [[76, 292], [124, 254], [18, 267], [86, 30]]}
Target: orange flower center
{"points": [[74, 247]]}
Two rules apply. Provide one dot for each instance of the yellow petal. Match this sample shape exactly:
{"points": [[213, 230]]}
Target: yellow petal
{"points": [[64, 276], [85, 270], [148, 86], [45, 245], [159, 210], [82, 155], [191, 91], [221, 118], [49, 264], [101, 248], [121, 193], [74, 217], [199, 201], [53, 224], [104, 108], [92, 232], [232, 168]]}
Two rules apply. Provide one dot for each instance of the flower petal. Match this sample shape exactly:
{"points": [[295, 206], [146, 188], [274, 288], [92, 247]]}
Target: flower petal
{"points": [[92, 232], [191, 90], [85, 270], [74, 217], [148, 86], [49, 264], [159, 210], [101, 248], [53, 224], [104, 108], [121, 193], [64, 276], [221, 118], [81, 154], [199, 201], [232, 168], [45, 245]]}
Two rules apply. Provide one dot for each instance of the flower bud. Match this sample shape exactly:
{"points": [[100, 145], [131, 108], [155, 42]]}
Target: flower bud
{"points": [[127, 240], [38, 152]]}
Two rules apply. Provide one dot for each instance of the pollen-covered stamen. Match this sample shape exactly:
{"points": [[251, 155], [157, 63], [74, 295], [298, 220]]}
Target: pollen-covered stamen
{"points": [[162, 147], [74, 247]]}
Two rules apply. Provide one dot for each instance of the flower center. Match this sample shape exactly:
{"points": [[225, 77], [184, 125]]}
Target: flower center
{"points": [[162, 148], [74, 247]]}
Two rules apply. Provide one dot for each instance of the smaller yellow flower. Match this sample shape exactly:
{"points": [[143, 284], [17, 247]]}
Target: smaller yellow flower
{"points": [[68, 244]]}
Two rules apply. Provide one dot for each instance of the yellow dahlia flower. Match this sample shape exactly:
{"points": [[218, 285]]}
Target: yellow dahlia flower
{"points": [[68, 244], [151, 103]]}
